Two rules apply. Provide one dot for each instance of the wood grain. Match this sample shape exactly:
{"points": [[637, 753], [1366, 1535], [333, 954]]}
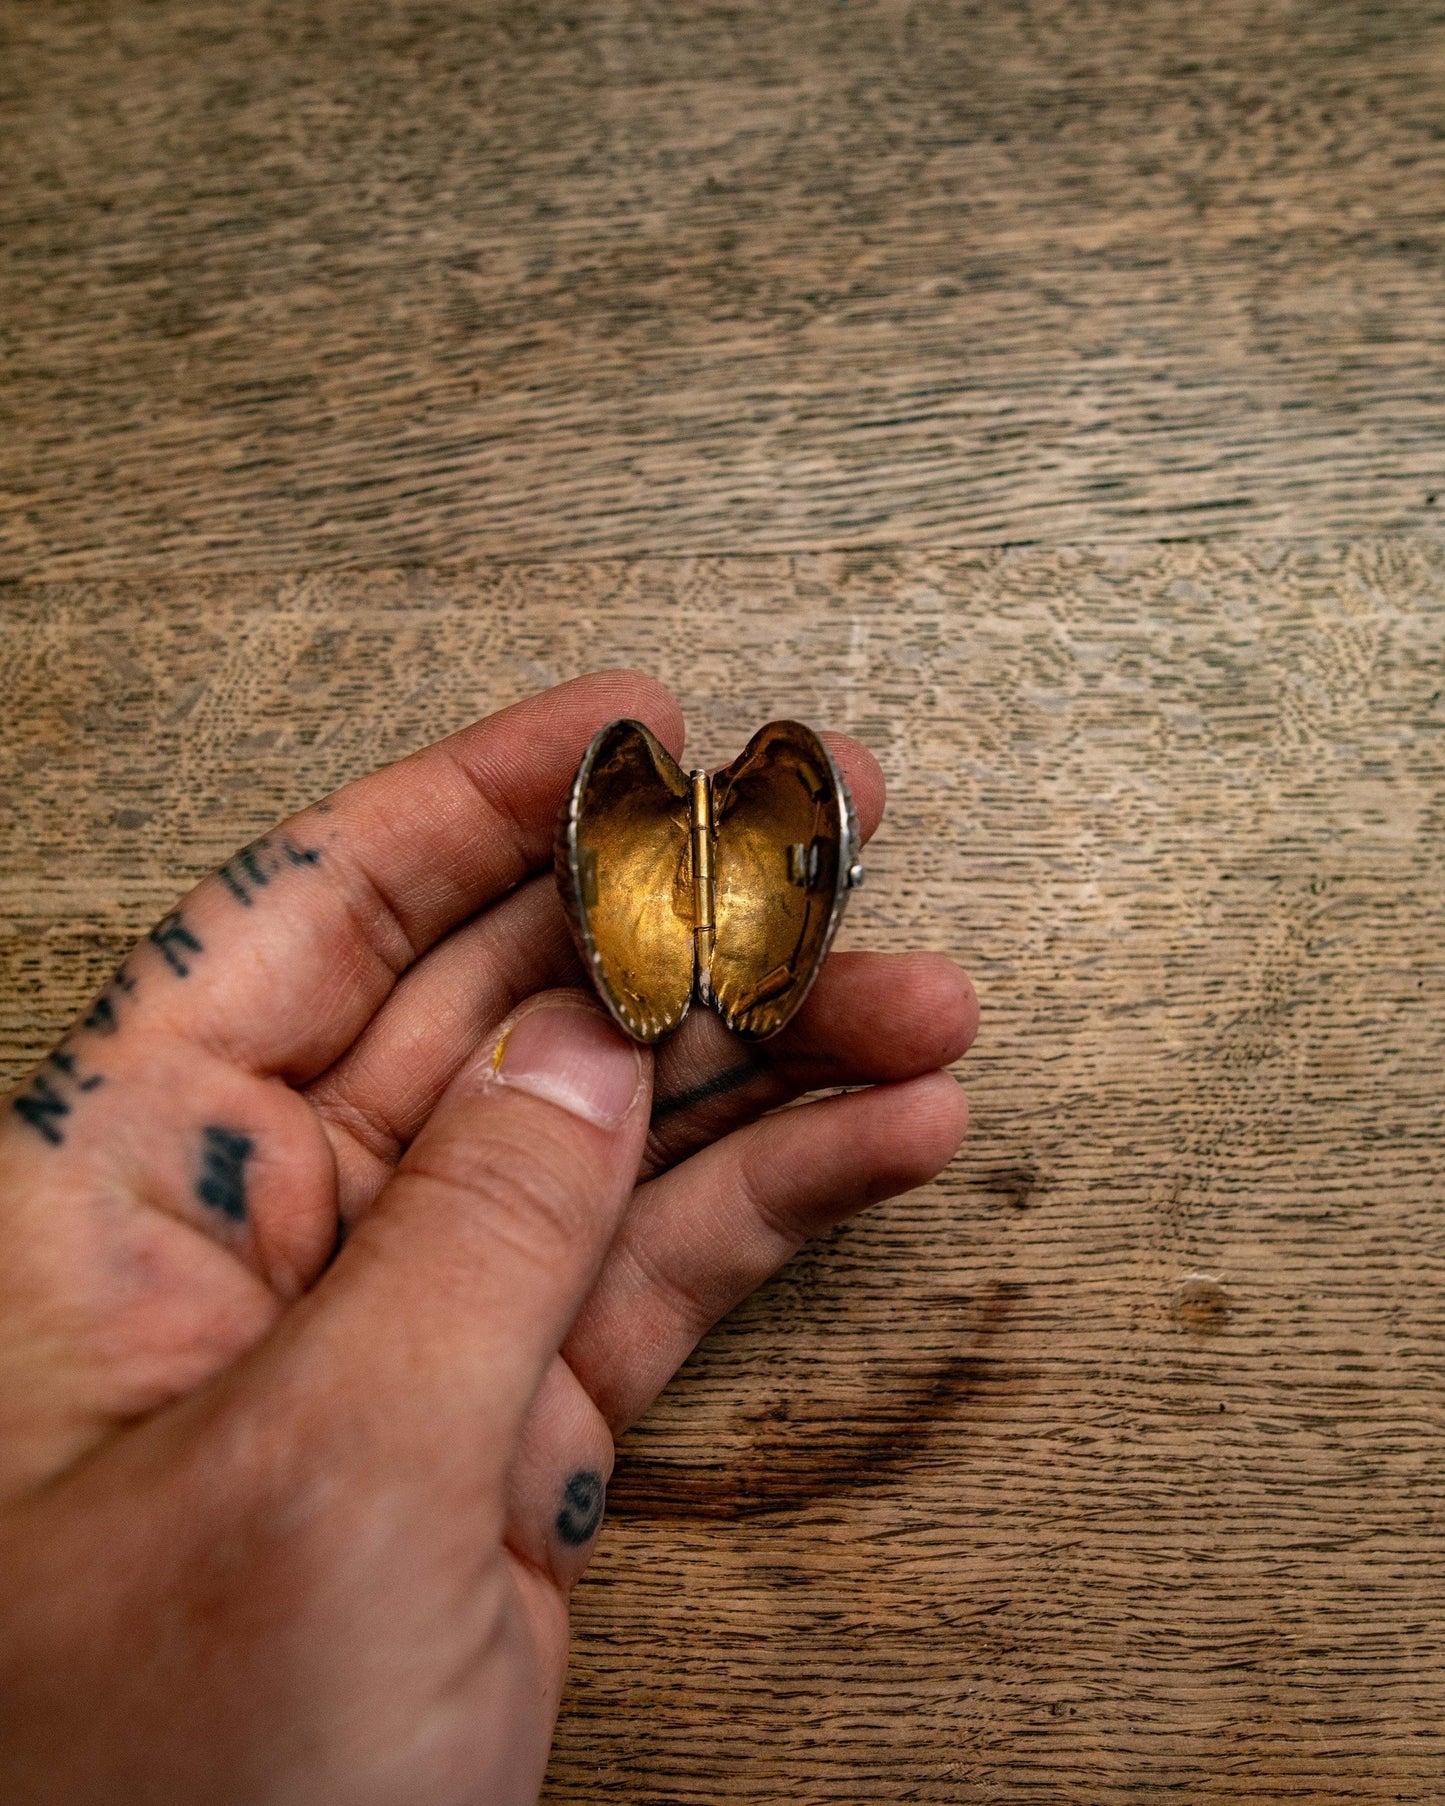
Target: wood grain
{"points": [[1108, 1468], [335, 284]]}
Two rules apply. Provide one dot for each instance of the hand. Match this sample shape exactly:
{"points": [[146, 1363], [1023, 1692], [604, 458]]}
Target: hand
{"points": [[282, 1523]]}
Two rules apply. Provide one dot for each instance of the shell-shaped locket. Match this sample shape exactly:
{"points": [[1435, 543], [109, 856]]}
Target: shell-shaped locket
{"points": [[726, 888]]}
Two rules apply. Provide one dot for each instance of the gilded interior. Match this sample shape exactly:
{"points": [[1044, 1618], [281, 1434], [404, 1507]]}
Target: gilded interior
{"points": [[781, 816], [634, 874], [628, 878]]}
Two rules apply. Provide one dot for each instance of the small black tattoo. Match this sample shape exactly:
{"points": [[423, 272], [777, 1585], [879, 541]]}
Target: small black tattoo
{"points": [[243, 871], [733, 1078], [175, 940], [222, 1185], [254, 867], [42, 1106], [64, 1061], [584, 1498], [50, 1096], [234, 884], [249, 860], [103, 1016]]}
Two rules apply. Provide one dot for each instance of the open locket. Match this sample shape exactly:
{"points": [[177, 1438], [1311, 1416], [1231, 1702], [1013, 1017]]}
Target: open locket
{"points": [[726, 888]]}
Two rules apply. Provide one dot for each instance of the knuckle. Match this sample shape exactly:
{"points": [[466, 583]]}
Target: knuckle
{"points": [[686, 1306], [765, 1194], [533, 1195]]}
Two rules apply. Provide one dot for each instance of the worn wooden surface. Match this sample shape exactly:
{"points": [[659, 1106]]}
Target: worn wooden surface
{"points": [[358, 281], [1108, 1468]]}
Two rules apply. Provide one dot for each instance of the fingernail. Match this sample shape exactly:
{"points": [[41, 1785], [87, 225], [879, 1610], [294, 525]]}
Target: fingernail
{"points": [[572, 1056]]}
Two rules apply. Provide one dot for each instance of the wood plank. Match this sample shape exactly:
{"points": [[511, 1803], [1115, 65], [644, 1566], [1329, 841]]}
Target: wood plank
{"points": [[1107, 1468], [382, 281]]}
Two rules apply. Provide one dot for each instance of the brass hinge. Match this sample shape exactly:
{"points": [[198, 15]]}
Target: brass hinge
{"points": [[704, 889]]}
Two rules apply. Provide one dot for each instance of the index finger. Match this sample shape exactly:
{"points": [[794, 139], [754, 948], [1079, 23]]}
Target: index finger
{"points": [[281, 958]]}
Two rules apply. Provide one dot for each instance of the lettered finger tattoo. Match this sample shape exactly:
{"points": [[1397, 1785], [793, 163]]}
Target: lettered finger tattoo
{"points": [[47, 1102]]}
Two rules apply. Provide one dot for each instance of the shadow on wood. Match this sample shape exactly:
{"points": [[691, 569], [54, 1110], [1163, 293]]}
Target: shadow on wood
{"points": [[800, 1448]]}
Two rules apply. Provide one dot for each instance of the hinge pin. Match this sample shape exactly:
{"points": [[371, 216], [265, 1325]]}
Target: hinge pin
{"points": [[703, 894]]}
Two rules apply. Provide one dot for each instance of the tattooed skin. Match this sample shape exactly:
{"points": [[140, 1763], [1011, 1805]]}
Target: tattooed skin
{"points": [[584, 1499], [222, 1184], [254, 867], [50, 1096], [103, 1017], [175, 941], [43, 1107], [719, 1085], [46, 1102]]}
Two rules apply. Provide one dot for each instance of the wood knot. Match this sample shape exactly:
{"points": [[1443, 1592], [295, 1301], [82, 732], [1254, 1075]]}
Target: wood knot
{"points": [[1201, 1304]]}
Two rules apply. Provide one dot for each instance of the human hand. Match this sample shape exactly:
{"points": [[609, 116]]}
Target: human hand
{"points": [[281, 1524]]}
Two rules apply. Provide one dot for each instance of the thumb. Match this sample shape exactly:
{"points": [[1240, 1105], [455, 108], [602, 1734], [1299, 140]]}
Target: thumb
{"points": [[433, 1329]]}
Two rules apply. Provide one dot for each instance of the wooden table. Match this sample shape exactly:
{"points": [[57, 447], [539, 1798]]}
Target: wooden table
{"points": [[1049, 393]]}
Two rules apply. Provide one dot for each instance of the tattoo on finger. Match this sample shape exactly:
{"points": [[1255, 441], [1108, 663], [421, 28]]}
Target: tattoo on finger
{"points": [[584, 1498], [175, 942], [46, 1102], [731, 1078], [222, 1184], [103, 1016], [255, 866]]}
